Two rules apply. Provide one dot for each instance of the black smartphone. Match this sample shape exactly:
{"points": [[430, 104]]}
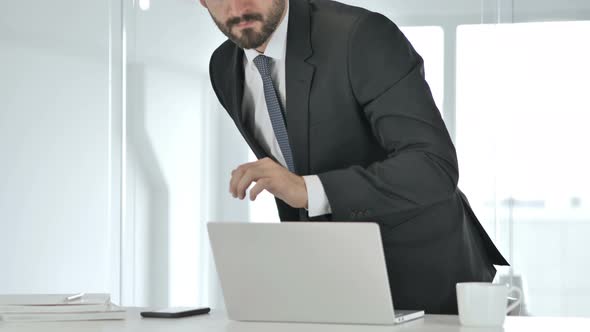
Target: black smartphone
{"points": [[175, 312]]}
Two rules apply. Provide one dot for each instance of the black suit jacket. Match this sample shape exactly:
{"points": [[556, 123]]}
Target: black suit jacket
{"points": [[361, 116]]}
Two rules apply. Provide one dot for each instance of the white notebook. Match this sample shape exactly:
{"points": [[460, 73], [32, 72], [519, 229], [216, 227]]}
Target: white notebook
{"points": [[7, 309], [53, 299], [56, 307], [113, 313]]}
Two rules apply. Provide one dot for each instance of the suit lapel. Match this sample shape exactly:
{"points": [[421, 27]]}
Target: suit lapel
{"points": [[299, 76], [235, 79]]}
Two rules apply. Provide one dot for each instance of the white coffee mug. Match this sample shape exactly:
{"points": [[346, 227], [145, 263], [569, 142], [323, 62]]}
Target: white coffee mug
{"points": [[484, 303]]}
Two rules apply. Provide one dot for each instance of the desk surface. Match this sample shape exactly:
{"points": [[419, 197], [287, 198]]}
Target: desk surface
{"points": [[217, 322]]}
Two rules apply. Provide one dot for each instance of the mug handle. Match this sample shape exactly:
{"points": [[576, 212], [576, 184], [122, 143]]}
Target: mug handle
{"points": [[518, 300]]}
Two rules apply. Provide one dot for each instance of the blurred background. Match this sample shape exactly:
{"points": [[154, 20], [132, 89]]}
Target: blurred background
{"points": [[114, 152]]}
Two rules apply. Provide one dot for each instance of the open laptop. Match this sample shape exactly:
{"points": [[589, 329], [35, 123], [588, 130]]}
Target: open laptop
{"points": [[320, 272]]}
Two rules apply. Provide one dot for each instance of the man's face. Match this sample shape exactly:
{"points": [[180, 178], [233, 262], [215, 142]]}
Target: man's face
{"points": [[248, 23]]}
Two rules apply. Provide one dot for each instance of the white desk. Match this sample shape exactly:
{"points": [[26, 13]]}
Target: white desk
{"points": [[217, 322]]}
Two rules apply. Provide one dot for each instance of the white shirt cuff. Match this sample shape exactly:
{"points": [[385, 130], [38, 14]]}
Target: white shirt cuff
{"points": [[317, 201]]}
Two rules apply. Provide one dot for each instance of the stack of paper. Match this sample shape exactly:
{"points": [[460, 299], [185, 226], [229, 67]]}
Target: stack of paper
{"points": [[58, 307]]}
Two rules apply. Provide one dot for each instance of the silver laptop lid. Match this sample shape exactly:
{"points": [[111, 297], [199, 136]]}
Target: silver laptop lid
{"points": [[302, 272]]}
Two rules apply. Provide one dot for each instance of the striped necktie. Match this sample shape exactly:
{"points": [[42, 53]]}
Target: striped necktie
{"points": [[274, 110]]}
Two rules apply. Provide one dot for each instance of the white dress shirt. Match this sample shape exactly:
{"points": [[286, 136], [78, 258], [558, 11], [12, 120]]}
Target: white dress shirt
{"points": [[255, 112]]}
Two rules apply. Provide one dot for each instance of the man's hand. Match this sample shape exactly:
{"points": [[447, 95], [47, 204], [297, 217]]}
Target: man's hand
{"points": [[271, 177]]}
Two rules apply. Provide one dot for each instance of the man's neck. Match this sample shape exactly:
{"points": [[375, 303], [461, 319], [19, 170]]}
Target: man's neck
{"points": [[262, 47]]}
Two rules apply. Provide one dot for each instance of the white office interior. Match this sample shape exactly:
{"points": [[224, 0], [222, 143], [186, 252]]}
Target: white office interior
{"points": [[115, 153]]}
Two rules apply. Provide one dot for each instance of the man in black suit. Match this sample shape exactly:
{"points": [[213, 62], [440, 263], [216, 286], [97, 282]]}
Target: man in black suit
{"points": [[332, 100]]}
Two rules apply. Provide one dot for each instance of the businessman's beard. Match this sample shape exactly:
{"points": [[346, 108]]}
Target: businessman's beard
{"points": [[249, 38]]}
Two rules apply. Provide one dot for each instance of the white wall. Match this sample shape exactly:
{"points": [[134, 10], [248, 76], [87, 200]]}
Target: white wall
{"points": [[164, 183], [176, 159], [55, 234]]}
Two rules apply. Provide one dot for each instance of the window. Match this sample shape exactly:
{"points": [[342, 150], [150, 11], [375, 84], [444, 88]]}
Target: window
{"points": [[522, 117]]}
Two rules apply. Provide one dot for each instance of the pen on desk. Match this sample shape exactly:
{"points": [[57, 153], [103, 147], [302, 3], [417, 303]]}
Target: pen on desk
{"points": [[74, 297]]}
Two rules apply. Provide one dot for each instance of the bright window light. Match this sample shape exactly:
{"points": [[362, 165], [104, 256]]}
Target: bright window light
{"points": [[522, 139], [144, 4]]}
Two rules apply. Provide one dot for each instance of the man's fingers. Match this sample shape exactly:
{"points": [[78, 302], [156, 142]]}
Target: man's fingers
{"points": [[261, 185], [252, 173], [243, 176], [236, 176], [247, 178]]}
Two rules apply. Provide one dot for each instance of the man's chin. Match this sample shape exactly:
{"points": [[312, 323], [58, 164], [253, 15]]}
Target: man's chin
{"points": [[249, 39]]}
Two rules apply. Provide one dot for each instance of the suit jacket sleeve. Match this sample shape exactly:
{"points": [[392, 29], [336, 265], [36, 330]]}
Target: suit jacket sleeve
{"points": [[387, 79]]}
